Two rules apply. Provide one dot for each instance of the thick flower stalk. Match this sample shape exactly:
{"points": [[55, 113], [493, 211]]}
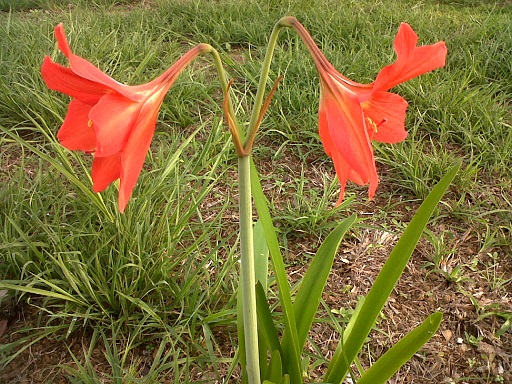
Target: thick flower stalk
{"points": [[353, 114], [113, 121]]}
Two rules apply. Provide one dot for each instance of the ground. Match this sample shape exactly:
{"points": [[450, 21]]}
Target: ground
{"points": [[471, 287]]}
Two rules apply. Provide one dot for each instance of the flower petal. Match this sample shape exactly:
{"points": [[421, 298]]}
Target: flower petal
{"points": [[386, 114], [343, 171], [104, 171], [405, 41], [342, 117], [81, 66], [341, 168], [76, 133], [113, 117], [64, 80], [135, 152], [87, 70], [411, 61], [346, 141]]}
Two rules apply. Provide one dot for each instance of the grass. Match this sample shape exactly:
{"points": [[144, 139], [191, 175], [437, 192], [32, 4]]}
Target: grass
{"points": [[162, 276]]}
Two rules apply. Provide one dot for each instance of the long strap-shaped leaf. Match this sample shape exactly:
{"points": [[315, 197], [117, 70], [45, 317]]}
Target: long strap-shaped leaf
{"points": [[313, 284], [291, 351], [401, 352], [260, 255], [385, 282], [265, 322]]}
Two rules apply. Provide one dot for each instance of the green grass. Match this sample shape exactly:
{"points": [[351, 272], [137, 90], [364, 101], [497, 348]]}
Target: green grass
{"points": [[164, 273]]}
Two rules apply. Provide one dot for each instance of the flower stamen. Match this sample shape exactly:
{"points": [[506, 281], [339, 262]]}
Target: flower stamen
{"points": [[374, 126]]}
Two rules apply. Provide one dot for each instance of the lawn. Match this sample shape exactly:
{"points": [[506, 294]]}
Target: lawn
{"points": [[90, 295]]}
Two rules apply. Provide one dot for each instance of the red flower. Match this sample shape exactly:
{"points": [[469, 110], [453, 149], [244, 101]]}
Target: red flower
{"points": [[352, 114], [113, 121]]}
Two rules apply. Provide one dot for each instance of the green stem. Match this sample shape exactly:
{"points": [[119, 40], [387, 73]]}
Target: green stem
{"points": [[236, 133], [260, 93], [248, 273], [222, 75]]}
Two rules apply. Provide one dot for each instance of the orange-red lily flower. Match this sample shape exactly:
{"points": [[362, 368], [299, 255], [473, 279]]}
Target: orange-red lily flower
{"points": [[113, 121], [353, 114]]}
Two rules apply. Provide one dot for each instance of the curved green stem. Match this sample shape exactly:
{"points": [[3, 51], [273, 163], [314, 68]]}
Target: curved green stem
{"points": [[236, 132], [265, 70]]}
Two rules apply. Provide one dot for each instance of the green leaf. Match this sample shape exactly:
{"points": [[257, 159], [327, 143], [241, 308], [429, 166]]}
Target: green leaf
{"points": [[267, 331], [401, 352], [275, 367], [385, 282], [506, 325], [265, 322], [262, 352], [291, 350], [353, 319], [143, 306], [42, 292], [260, 254], [313, 284]]}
